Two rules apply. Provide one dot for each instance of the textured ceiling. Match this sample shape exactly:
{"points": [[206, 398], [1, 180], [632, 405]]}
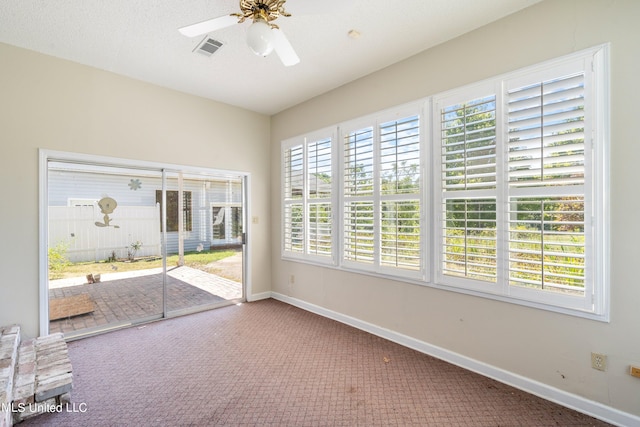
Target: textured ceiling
{"points": [[139, 39]]}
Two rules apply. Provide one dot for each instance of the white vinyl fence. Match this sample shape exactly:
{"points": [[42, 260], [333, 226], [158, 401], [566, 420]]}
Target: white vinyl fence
{"points": [[75, 227]]}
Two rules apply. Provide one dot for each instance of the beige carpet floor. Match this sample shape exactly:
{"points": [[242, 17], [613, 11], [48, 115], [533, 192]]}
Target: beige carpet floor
{"points": [[270, 364]]}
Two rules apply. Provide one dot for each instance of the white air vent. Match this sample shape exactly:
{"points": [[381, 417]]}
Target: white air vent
{"points": [[208, 46]]}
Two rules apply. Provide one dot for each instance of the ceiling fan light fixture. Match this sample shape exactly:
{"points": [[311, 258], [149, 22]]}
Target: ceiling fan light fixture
{"points": [[260, 37], [263, 36]]}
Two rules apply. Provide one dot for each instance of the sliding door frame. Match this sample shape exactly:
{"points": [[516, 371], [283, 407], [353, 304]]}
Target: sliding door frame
{"points": [[45, 156]]}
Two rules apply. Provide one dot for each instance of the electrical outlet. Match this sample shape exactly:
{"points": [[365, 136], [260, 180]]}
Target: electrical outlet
{"points": [[292, 279], [599, 361], [634, 371]]}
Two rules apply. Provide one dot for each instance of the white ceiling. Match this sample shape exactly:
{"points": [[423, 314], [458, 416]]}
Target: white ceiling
{"points": [[140, 39]]}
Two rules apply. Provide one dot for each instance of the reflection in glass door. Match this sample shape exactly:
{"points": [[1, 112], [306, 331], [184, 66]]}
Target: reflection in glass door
{"points": [[129, 245]]}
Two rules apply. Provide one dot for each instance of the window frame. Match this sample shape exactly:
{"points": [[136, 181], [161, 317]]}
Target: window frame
{"points": [[377, 198], [461, 95], [305, 201], [595, 304]]}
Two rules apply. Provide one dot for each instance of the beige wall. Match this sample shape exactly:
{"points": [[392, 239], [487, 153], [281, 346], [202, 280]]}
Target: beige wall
{"points": [[546, 347], [59, 105]]}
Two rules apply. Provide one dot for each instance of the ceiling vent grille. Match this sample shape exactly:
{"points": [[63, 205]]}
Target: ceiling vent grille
{"points": [[208, 46]]}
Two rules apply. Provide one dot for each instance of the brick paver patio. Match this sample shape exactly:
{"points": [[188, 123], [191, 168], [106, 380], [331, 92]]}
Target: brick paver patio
{"points": [[121, 298]]}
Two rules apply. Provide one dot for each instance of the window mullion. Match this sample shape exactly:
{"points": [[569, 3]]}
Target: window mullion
{"points": [[305, 195], [377, 203], [502, 196], [337, 198]]}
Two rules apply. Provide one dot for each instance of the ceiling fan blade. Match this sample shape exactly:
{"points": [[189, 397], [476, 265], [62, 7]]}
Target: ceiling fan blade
{"points": [[284, 49], [209, 25]]}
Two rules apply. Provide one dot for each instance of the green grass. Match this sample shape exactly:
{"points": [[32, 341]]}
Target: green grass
{"points": [[560, 269], [198, 260]]}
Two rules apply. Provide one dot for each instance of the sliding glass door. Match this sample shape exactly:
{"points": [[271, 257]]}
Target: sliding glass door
{"points": [[132, 244], [205, 242]]}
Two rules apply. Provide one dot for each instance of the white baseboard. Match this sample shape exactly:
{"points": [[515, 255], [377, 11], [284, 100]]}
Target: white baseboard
{"points": [[258, 297], [569, 400]]}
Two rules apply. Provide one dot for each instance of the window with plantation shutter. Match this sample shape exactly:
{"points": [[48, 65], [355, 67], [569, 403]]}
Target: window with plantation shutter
{"points": [[547, 244], [546, 180], [359, 235], [504, 197], [468, 189], [546, 133], [400, 201], [308, 197], [318, 196], [358, 163], [382, 197], [358, 181], [521, 168], [293, 227]]}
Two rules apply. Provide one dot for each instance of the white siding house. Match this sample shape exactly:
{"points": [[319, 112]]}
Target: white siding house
{"points": [[212, 212]]}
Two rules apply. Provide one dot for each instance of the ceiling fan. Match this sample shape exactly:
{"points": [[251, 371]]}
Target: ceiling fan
{"points": [[263, 36]]}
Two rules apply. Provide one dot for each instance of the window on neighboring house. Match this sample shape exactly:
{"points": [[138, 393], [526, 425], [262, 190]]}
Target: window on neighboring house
{"points": [[308, 197], [219, 231], [172, 209], [236, 222], [382, 196], [224, 230]]}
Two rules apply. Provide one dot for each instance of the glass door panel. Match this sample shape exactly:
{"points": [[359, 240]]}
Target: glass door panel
{"points": [[105, 247], [204, 241]]}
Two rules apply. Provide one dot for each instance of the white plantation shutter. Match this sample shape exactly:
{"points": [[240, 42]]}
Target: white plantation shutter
{"points": [[400, 242], [468, 188], [294, 228], [308, 197], [319, 169], [294, 173], [359, 236], [383, 196], [400, 235], [358, 163], [546, 244], [359, 228], [320, 241], [517, 185], [318, 196], [469, 238], [469, 144], [546, 132], [546, 174], [400, 156], [293, 224]]}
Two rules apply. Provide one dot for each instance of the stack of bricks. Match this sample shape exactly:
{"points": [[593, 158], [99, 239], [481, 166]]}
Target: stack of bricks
{"points": [[38, 377], [9, 343]]}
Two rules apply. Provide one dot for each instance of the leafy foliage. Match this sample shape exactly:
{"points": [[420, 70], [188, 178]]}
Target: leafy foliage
{"points": [[58, 257]]}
